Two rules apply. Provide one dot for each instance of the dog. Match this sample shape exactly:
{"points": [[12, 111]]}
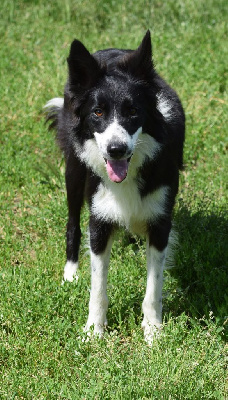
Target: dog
{"points": [[121, 128]]}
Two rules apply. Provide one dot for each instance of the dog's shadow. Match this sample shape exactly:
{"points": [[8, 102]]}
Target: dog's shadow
{"points": [[197, 284], [200, 276]]}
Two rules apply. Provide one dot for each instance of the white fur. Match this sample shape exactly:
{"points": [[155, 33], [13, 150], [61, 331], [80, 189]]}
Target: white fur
{"points": [[124, 205], [164, 106], [152, 303], [115, 132], [98, 304], [56, 102], [70, 271]]}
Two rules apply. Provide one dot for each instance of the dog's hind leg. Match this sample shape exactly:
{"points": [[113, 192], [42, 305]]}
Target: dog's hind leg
{"points": [[100, 243], [75, 184], [157, 241]]}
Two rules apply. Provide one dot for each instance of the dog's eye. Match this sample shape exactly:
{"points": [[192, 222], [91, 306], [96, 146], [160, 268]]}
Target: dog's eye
{"points": [[133, 111], [98, 112]]}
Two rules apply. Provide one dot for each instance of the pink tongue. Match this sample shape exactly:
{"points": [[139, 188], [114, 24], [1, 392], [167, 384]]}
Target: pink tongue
{"points": [[117, 170]]}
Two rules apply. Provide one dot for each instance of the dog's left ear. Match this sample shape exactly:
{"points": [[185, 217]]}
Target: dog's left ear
{"points": [[139, 62]]}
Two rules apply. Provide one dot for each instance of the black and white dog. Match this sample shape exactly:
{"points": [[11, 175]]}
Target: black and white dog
{"points": [[121, 128]]}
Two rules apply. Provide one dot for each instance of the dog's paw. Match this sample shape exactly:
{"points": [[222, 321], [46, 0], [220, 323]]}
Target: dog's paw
{"points": [[70, 272], [95, 330], [151, 331]]}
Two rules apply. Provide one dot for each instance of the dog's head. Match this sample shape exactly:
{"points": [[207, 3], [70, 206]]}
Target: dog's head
{"points": [[108, 95]]}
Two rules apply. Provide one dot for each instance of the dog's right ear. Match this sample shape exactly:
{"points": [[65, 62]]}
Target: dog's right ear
{"points": [[84, 70]]}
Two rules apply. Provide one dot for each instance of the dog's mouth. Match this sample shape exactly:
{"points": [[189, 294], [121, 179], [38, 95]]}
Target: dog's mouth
{"points": [[117, 169]]}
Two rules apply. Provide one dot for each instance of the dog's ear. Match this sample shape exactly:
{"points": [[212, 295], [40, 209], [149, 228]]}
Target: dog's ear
{"points": [[139, 62], [84, 70]]}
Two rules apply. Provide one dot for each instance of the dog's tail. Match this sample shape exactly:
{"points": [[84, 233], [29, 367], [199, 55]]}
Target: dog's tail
{"points": [[52, 109]]}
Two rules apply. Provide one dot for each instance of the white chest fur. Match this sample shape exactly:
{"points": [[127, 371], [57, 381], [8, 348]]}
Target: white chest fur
{"points": [[122, 204]]}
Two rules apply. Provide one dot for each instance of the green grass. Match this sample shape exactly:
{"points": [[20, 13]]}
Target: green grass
{"points": [[42, 352]]}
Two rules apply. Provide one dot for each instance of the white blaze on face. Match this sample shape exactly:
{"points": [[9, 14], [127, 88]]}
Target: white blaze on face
{"points": [[115, 133]]}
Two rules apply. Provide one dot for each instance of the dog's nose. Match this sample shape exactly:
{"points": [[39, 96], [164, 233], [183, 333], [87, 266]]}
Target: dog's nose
{"points": [[117, 150]]}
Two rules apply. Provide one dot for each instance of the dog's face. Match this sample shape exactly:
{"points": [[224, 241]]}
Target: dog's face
{"points": [[113, 115], [111, 109]]}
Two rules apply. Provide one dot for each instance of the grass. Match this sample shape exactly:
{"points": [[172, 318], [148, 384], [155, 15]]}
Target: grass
{"points": [[42, 352]]}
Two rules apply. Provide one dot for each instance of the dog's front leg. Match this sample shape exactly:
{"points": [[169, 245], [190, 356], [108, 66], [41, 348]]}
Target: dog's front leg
{"points": [[100, 248], [157, 241], [75, 183]]}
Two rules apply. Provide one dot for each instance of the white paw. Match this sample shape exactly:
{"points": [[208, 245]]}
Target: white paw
{"points": [[95, 330], [70, 272], [151, 331]]}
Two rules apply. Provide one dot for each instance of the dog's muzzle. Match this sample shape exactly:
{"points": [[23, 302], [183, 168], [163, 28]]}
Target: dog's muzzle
{"points": [[117, 165]]}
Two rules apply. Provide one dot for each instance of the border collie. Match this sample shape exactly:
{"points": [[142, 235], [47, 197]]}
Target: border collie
{"points": [[121, 128]]}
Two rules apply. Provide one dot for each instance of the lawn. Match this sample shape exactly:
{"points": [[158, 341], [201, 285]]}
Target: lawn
{"points": [[43, 354]]}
